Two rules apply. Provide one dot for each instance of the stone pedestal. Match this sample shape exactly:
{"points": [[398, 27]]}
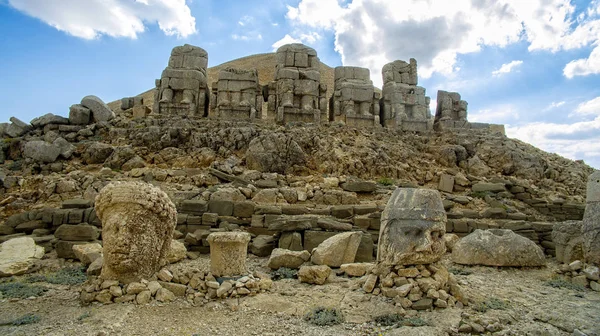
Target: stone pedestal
{"points": [[228, 253]]}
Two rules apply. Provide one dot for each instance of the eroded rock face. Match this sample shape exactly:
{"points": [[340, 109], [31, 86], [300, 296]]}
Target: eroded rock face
{"points": [[590, 229], [138, 220], [274, 153], [412, 226], [497, 247]]}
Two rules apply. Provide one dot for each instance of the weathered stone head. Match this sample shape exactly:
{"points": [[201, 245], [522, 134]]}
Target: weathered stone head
{"points": [[138, 220], [590, 229], [412, 226]]}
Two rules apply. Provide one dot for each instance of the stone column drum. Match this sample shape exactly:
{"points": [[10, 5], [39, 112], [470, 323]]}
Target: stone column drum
{"points": [[413, 224], [228, 252], [590, 230], [138, 220]]}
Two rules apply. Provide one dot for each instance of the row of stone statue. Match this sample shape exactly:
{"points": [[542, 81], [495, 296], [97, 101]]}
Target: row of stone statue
{"points": [[297, 94]]}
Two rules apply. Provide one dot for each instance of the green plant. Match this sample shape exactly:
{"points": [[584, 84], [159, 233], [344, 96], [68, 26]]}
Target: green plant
{"points": [[562, 283], [35, 278], [459, 271], [284, 273], [68, 276], [389, 320], [322, 316], [84, 316], [386, 181], [20, 290], [26, 319], [492, 303]]}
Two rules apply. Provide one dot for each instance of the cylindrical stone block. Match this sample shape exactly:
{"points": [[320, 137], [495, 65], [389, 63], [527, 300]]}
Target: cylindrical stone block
{"points": [[228, 253]]}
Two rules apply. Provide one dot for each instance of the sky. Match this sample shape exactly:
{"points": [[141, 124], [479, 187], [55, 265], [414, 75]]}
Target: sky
{"points": [[533, 65]]}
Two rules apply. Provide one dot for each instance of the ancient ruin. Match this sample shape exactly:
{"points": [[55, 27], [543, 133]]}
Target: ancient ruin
{"points": [[591, 221], [298, 94], [137, 224], [412, 226], [404, 104], [237, 95], [183, 86], [451, 111], [228, 253], [354, 101]]}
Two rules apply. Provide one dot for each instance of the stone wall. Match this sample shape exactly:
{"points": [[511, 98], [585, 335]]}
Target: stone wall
{"points": [[354, 101]]}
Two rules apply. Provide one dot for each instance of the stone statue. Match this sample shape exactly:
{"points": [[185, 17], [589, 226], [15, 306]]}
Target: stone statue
{"points": [[298, 92], [182, 88], [451, 111], [590, 229], [412, 228], [237, 95], [138, 220], [354, 99], [405, 105]]}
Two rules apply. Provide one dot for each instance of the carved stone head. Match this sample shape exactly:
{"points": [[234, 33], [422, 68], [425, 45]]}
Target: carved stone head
{"points": [[412, 227], [138, 220]]}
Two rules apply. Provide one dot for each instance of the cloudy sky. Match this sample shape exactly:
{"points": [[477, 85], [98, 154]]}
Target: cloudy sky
{"points": [[533, 65]]}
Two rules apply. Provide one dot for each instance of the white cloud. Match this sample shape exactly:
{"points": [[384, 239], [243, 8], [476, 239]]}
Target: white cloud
{"points": [[90, 19], [507, 68], [587, 108], [554, 105], [575, 141], [287, 39], [503, 114], [372, 33], [248, 37], [584, 66]]}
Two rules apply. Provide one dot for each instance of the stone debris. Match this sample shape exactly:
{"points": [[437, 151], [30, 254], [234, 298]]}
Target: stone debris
{"points": [[316, 275], [100, 112], [183, 86], [88, 253], [197, 287], [138, 220], [286, 258], [497, 247]]}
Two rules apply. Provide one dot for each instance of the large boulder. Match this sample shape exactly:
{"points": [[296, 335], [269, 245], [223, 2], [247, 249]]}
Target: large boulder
{"points": [[79, 115], [591, 220], [100, 111], [316, 275], [97, 153], [286, 258], [49, 118], [337, 250], [81, 232], [41, 151], [17, 256], [16, 128], [568, 241], [413, 224], [275, 153], [497, 247]]}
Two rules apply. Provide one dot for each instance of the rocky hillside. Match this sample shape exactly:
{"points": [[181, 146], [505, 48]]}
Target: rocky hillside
{"points": [[264, 63]]}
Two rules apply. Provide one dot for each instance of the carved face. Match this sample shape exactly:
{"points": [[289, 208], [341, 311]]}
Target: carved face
{"points": [[133, 239], [412, 227]]}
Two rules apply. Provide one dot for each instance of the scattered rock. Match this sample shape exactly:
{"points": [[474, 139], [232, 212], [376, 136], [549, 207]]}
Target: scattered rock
{"points": [[337, 250], [316, 275], [286, 258]]}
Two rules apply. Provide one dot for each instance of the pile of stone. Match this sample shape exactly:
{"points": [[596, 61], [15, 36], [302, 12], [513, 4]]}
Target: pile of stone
{"points": [[579, 273], [354, 101], [197, 287], [418, 287], [136, 106]]}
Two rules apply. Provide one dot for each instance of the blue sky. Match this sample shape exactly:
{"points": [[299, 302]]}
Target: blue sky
{"points": [[532, 65]]}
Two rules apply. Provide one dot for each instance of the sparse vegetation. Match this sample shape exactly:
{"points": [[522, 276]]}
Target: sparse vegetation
{"points": [[386, 181], [84, 316], [284, 273], [25, 319], [68, 276], [490, 304], [389, 320], [21, 290], [322, 316], [459, 271], [562, 283]]}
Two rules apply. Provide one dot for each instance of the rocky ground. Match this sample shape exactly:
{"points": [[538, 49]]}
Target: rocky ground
{"points": [[507, 301]]}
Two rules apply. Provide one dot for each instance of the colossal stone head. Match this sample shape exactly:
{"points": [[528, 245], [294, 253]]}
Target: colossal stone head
{"points": [[138, 220], [412, 226]]}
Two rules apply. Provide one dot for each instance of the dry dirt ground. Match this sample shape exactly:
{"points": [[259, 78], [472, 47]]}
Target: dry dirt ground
{"points": [[531, 307]]}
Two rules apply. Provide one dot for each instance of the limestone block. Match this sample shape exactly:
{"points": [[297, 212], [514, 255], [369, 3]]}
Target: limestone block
{"points": [[446, 183], [177, 252], [100, 111], [316, 275], [228, 253], [337, 250], [412, 226], [87, 253], [568, 241], [17, 256], [81, 232], [41, 151], [497, 247], [287, 258], [590, 228], [138, 220]]}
